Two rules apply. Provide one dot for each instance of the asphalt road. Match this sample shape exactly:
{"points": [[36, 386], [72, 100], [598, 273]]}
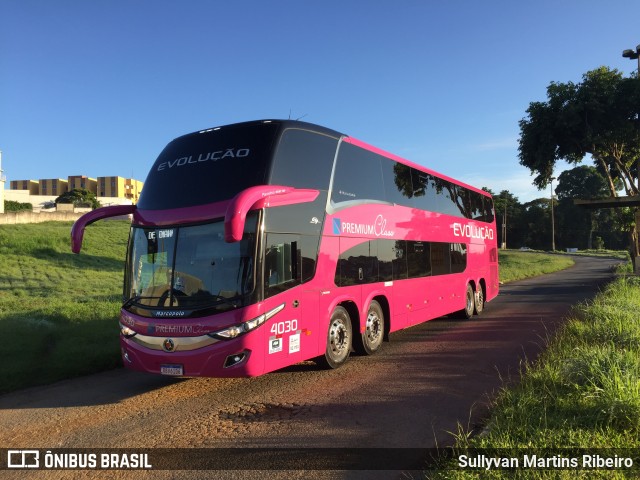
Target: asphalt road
{"points": [[428, 381]]}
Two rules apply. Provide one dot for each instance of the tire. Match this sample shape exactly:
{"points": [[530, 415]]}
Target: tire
{"points": [[370, 341], [339, 336], [469, 305], [479, 301]]}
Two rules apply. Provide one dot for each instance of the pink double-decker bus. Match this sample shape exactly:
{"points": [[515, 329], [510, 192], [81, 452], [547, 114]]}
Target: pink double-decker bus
{"points": [[258, 245]]}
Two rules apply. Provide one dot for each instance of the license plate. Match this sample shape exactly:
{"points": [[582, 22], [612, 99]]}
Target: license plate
{"points": [[171, 369]]}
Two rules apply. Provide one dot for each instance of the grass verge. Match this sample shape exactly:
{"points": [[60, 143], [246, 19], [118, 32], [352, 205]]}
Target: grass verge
{"points": [[582, 392], [59, 311], [516, 265]]}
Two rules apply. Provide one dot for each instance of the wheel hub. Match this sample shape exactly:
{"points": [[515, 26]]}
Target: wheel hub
{"points": [[338, 337], [373, 326]]}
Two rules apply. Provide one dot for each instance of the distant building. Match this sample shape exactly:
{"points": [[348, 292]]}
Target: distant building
{"points": [[53, 186], [120, 187], [109, 190], [134, 188], [32, 186], [83, 182]]}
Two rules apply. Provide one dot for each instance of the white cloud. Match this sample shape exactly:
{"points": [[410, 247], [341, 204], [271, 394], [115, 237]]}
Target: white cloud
{"points": [[500, 144]]}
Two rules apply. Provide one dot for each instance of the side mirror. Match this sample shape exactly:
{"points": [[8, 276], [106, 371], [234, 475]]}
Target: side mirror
{"points": [[258, 197], [77, 230]]}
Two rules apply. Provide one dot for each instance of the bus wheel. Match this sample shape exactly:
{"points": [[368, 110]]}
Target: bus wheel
{"points": [[370, 341], [479, 301], [338, 339], [469, 303]]}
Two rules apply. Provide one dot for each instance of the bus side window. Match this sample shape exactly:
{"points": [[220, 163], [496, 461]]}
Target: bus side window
{"points": [[425, 192], [400, 268], [304, 159], [419, 259], [488, 209], [477, 210], [397, 182], [386, 257], [448, 196], [358, 265], [458, 257], [358, 176], [280, 266], [289, 260], [440, 258]]}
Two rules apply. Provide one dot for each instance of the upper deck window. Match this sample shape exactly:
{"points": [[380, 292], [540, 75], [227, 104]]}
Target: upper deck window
{"points": [[304, 159], [209, 166], [362, 176], [357, 177]]}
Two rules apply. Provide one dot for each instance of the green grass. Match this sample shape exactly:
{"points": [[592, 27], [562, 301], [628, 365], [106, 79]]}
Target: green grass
{"points": [[516, 265], [58, 311], [583, 392], [618, 254]]}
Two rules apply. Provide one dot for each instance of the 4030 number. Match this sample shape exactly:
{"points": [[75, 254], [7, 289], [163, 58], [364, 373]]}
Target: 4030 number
{"points": [[287, 326]]}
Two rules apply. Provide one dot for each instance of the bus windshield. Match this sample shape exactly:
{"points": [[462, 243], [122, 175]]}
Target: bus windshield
{"points": [[190, 267]]}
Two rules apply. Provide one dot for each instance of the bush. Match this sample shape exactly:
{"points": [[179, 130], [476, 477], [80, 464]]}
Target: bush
{"points": [[13, 206]]}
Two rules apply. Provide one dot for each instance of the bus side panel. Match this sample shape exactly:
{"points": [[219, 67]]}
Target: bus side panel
{"points": [[330, 295], [446, 295], [400, 305], [289, 335], [482, 264], [493, 282], [418, 306]]}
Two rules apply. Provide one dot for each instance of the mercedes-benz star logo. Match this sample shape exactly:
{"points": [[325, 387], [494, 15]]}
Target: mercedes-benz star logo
{"points": [[168, 345]]}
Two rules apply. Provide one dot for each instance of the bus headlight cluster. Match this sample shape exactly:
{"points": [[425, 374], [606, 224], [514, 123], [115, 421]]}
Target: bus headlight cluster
{"points": [[126, 331], [242, 328], [245, 327]]}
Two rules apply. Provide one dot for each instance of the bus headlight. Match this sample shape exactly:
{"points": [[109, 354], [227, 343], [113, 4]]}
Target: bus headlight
{"points": [[245, 327], [126, 331]]}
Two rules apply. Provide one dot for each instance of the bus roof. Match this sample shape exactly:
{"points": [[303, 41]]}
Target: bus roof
{"points": [[215, 164]]}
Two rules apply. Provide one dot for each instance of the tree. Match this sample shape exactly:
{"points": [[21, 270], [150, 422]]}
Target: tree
{"points": [[599, 116], [578, 224], [507, 203], [581, 182], [535, 221], [79, 197]]}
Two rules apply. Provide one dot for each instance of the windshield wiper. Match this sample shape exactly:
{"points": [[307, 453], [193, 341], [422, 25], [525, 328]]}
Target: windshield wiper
{"points": [[136, 299], [228, 301]]}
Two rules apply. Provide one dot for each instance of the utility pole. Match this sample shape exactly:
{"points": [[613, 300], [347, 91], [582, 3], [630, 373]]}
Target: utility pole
{"points": [[635, 55], [2, 180], [504, 226], [553, 223]]}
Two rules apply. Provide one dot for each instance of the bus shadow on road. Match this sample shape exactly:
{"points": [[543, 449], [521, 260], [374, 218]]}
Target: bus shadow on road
{"points": [[104, 388]]}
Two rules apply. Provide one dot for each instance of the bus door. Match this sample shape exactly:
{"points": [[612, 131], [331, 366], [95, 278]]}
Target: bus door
{"points": [[289, 265]]}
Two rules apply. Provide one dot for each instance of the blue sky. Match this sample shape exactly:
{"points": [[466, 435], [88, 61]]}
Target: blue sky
{"points": [[99, 87]]}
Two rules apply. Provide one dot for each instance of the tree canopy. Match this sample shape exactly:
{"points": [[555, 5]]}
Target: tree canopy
{"points": [[79, 197], [581, 182], [529, 224], [598, 116]]}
